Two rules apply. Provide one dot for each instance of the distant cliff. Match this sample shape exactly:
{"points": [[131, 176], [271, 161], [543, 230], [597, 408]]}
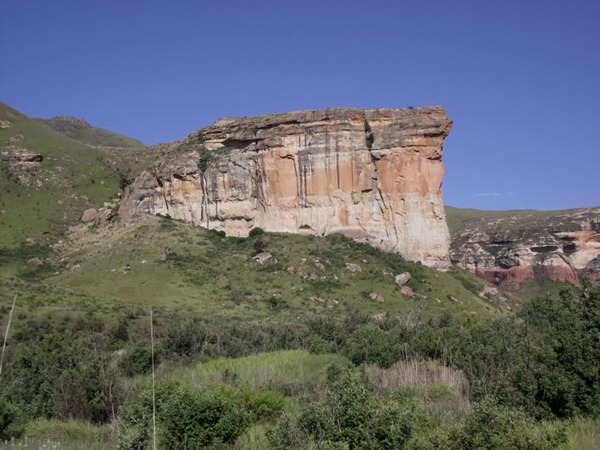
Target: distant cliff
{"points": [[510, 247], [374, 175]]}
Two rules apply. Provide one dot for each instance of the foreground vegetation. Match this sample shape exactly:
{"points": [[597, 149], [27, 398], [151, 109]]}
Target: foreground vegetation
{"points": [[255, 356], [514, 381]]}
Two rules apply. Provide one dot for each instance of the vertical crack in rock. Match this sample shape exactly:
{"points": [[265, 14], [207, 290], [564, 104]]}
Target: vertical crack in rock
{"points": [[204, 196], [163, 191]]}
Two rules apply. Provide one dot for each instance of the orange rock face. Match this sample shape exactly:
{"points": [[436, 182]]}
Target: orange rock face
{"points": [[374, 175]]}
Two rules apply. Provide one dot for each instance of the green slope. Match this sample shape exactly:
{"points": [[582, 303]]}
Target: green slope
{"points": [[460, 219], [70, 179], [205, 271], [82, 131]]}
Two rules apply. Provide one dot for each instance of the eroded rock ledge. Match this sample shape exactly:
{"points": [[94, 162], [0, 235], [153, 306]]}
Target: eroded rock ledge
{"points": [[372, 174]]}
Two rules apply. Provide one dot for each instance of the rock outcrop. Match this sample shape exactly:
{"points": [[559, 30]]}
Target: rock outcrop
{"points": [[67, 124], [374, 175], [509, 250], [21, 162]]}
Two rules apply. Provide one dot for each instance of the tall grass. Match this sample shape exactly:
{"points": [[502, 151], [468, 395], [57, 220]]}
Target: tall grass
{"points": [[55, 434], [441, 391], [255, 438], [413, 373], [291, 372], [584, 434]]}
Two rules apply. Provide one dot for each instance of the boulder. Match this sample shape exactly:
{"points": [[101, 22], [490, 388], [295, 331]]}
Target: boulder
{"points": [[264, 258], [354, 268], [89, 215], [378, 298], [402, 279], [407, 292]]}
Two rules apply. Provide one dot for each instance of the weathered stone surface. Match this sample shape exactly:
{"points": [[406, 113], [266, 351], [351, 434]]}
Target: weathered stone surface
{"points": [[105, 215], [374, 175], [5, 124], [21, 162], [559, 267], [488, 292], [407, 292], [510, 250], [402, 278], [377, 298], [264, 258], [592, 270], [35, 262], [89, 215], [354, 268]]}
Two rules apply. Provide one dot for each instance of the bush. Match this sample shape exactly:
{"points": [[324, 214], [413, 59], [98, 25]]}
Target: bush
{"points": [[138, 359], [61, 376], [185, 418], [370, 344], [493, 427], [564, 341], [9, 427], [350, 416], [254, 232], [546, 360]]}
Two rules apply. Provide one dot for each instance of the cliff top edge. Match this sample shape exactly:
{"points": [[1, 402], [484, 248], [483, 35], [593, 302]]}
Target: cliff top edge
{"points": [[310, 115]]}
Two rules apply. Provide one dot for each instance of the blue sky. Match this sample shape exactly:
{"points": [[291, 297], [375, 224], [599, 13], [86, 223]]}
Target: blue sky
{"points": [[520, 79]]}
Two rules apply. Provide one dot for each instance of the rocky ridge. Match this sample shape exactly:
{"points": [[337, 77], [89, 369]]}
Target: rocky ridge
{"points": [[80, 130], [371, 174], [67, 124], [507, 251]]}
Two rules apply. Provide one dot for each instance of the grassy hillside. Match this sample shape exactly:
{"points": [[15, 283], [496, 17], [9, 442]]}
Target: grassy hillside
{"points": [[70, 178], [173, 265], [82, 131], [460, 219]]}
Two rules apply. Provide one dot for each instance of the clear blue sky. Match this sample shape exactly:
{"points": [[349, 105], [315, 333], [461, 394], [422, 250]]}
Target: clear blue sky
{"points": [[520, 79]]}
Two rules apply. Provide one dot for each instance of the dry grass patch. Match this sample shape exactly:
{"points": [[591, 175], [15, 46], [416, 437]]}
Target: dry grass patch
{"points": [[431, 379]]}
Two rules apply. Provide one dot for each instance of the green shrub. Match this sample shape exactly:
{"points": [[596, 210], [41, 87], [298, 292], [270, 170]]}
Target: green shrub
{"points": [[119, 333], [9, 427], [260, 404], [370, 344], [350, 416], [493, 427], [185, 418], [255, 232], [60, 376], [138, 359]]}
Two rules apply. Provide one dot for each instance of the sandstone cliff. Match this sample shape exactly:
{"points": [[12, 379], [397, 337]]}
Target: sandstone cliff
{"points": [[520, 246], [374, 175]]}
